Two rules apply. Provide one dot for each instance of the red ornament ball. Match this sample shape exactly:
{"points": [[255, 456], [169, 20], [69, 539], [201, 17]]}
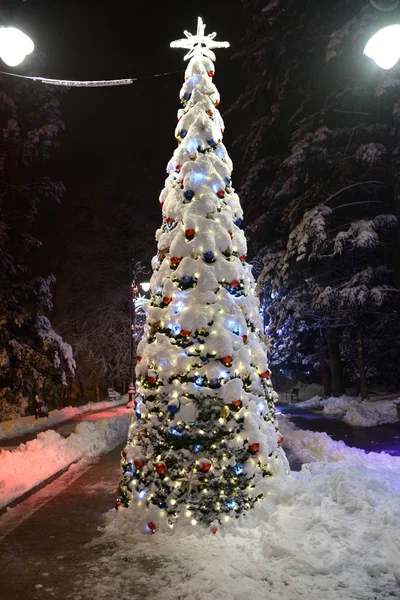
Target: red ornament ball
{"points": [[244, 338], [185, 333], [223, 131], [117, 505], [209, 113], [205, 466], [280, 440], [230, 234], [221, 193], [190, 232], [254, 447], [216, 103], [237, 403], [123, 453], [161, 468], [266, 374], [175, 260], [152, 380], [138, 358], [169, 220], [214, 530], [138, 463], [226, 360], [234, 283], [211, 73], [152, 526], [243, 257], [178, 167], [161, 204], [166, 300]]}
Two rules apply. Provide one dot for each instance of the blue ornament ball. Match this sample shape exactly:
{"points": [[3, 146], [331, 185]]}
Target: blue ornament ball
{"points": [[186, 96], [238, 222], [227, 180], [188, 194], [211, 142], [208, 255], [173, 408], [183, 133]]}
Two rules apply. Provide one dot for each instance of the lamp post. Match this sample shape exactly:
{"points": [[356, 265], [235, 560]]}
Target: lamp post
{"points": [[138, 269], [14, 46], [384, 46]]}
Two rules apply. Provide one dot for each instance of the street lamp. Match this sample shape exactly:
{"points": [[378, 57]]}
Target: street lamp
{"points": [[138, 269], [384, 46], [14, 46]]}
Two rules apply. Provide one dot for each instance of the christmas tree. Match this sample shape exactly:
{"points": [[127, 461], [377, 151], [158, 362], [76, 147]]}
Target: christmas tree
{"points": [[203, 441]]}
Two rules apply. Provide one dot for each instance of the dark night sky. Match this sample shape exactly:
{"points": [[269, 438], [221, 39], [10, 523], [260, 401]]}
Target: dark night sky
{"points": [[108, 129], [85, 39]]}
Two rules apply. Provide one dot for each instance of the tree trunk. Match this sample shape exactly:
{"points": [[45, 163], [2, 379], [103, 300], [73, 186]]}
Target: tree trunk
{"points": [[396, 234], [326, 379], [97, 393], [335, 363], [81, 392], [321, 351], [361, 364]]}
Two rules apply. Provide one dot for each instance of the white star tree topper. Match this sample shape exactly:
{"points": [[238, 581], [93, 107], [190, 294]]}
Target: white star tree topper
{"points": [[199, 44]]}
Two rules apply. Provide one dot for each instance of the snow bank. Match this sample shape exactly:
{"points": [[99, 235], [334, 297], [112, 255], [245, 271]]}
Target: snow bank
{"points": [[368, 413], [35, 461], [311, 446], [330, 532], [16, 427]]}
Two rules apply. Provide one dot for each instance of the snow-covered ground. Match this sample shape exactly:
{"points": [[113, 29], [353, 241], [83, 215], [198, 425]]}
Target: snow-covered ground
{"points": [[329, 532], [34, 462], [22, 425], [367, 413]]}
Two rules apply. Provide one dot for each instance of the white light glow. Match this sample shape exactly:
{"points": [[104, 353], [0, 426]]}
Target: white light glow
{"points": [[384, 47], [14, 46], [145, 286]]}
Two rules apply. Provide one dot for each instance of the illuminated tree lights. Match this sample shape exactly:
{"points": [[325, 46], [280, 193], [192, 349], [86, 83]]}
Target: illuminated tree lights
{"points": [[203, 441]]}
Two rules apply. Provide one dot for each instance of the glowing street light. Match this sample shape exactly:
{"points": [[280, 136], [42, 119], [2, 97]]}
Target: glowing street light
{"points": [[14, 46], [384, 47]]}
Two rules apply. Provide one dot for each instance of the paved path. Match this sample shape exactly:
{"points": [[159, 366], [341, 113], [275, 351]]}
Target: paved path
{"points": [[47, 548]]}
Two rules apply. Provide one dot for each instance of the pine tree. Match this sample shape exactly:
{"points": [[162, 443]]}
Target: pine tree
{"points": [[204, 441], [321, 143], [33, 358]]}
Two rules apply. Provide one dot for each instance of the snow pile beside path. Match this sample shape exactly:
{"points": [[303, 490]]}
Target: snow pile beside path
{"points": [[330, 532], [368, 413], [16, 427], [314, 402], [311, 446], [35, 461]]}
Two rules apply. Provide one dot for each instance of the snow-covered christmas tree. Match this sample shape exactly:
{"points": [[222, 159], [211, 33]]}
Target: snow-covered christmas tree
{"points": [[203, 441]]}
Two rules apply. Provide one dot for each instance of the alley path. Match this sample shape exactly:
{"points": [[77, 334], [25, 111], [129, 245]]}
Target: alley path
{"points": [[42, 556]]}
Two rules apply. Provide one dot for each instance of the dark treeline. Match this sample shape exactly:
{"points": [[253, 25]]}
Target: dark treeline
{"points": [[320, 148]]}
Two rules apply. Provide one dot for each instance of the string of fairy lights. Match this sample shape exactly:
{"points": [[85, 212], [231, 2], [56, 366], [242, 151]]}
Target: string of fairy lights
{"points": [[89, 83]]}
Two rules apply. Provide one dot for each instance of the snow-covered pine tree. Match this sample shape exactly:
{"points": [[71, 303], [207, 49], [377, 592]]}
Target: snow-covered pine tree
{"points": [[203, 441], [320, 141], [33, 358]]}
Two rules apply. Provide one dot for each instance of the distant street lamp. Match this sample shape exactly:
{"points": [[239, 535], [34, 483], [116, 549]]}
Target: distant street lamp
{"points": [[384, 46], [138, 269], [14, 46]]}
